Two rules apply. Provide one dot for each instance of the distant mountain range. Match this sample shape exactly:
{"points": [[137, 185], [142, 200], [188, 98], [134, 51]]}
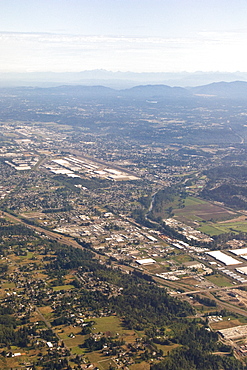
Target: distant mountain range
{"points": [[150, 93], [117, 80], [231, 90]]}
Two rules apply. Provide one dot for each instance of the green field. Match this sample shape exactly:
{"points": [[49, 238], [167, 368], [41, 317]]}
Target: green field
{"points": [[191, 201], [210, 230], [73, 343], [200, 210], [219, 280], [209, 218], [181, 258], [233, 227], [27, 257], [220, 228], [108, 324], [63, 287], [102, 362], [167, 348]]}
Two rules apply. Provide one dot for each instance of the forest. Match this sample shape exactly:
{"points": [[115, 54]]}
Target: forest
{"points": [[227, 184]]}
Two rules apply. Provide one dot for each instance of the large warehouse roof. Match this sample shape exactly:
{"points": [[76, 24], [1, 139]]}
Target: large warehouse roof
{"points": [[239, 252], [145, 261], [224, 258]]}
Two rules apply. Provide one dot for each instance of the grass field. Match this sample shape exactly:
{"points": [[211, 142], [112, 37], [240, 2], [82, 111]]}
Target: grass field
{"points": [[8, 285], [191, 201], [156, 268], [219, 280], [220, 228], [233, 226], [100, 360], [40, 275], [11, 363], [190, 281], [108, 324], [63, 287], [112, 326], [78, 351], [181, 258], [64, 331], [167, 348], [141, 366], [46, 311], [210, 230], [225, 324], [75, 342]]}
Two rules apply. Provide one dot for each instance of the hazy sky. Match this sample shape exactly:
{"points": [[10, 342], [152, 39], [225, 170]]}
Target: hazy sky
{"points": [[123, 35]]}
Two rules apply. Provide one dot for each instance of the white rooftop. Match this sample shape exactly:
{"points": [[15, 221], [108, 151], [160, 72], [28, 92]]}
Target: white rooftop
{"points": [[146, 261], [243, 270], [224, 258], [239, 252]]}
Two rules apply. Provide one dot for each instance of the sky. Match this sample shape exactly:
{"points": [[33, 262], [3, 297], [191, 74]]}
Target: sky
{"points": [[123, 35]]}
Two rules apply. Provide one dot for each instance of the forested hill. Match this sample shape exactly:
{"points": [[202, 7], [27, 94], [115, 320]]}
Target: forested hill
{"points": [[227, 184], [229, 90]]}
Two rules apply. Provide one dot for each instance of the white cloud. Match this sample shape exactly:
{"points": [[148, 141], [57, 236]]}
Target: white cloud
{"points": [[54, 52]]}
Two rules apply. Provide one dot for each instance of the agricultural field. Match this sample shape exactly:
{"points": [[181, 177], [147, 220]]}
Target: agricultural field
{"points": [[191, 201], [232, 225], [237, 226], [227, 322], [210, 230], [199, 210], [210, 218]]}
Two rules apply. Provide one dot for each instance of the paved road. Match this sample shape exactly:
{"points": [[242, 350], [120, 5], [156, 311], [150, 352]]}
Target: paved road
{"points": [[53, 235], [205, 290], [228, 306]]}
